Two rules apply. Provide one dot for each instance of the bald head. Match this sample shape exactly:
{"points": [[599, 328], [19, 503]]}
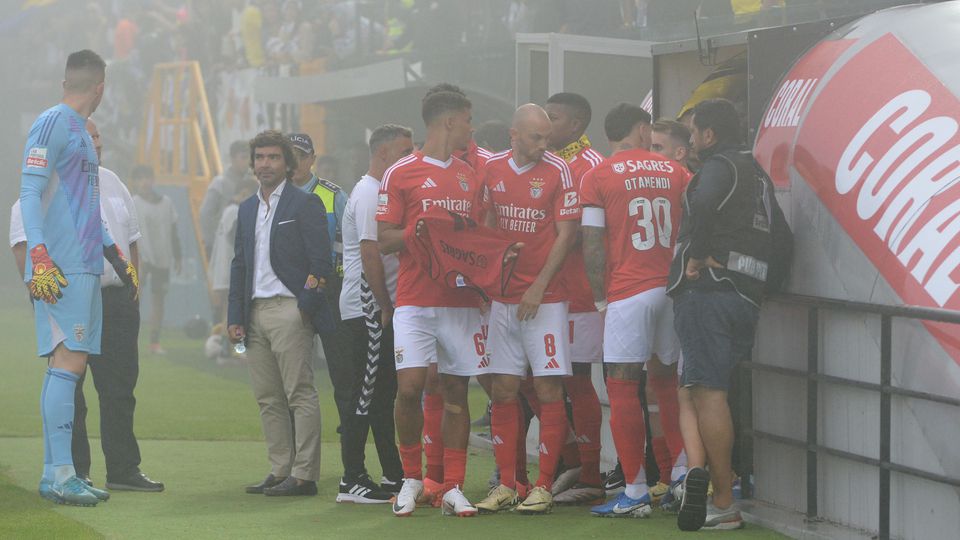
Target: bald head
{"points": [[529, 133], [95, 135]]}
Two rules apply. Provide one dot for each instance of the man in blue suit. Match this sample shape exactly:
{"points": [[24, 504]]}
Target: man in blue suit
{"points": [[276, 303]]}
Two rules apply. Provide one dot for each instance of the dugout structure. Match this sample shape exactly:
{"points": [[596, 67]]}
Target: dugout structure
{"points": [[848, 406]]}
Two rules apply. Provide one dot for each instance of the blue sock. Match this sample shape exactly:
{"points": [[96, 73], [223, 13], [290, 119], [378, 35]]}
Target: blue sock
{"points": [[47, 459], [58, 412]]}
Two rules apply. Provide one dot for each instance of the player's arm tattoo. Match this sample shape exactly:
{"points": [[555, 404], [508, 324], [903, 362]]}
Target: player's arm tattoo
{"points": [[595, 256]]}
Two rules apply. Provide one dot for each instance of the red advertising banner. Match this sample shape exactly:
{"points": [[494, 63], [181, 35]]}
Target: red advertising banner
{"points": [[779, 124], [880, 146]]}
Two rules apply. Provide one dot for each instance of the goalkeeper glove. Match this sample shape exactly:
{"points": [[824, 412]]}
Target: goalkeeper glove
{"points": [[124, 269], [47, 279]]}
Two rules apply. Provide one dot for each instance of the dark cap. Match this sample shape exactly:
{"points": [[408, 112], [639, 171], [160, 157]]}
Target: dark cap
{"points": [[302, 142]]}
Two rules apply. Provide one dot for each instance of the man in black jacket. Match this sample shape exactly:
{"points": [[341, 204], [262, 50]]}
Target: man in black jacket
{"points": [[717, 281], [276, 302]]}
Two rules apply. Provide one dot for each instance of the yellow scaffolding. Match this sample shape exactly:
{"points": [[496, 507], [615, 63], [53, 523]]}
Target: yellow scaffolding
{"points": [[177, 136]]}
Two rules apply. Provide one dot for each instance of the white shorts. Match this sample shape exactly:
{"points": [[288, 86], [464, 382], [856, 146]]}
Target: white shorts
{"points": [[451, 337], [639, 327], [541, 343], [586, 337]]}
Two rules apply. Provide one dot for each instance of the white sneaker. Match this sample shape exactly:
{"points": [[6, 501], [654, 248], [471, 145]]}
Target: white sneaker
{"points": [[406, 501], [726, 519], [455, 503], [565, 480]]}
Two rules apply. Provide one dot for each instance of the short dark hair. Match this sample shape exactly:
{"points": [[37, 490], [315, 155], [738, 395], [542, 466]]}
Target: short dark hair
{"points": [[387, 133], [721, 116], [141, 171], [84, 70], [272, 137], [493, 135], [444, 87], [621, 120], [239, 147], [577, 104], [437, 104], [673, 129]]}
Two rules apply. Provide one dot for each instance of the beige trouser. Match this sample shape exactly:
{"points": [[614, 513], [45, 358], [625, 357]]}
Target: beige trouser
{"points": [[279, 349]]}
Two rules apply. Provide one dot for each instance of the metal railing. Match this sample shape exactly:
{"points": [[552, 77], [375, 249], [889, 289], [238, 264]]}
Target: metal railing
{"points": [[885, 388]]}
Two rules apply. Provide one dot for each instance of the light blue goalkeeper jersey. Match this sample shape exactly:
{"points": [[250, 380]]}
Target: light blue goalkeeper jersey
{"points": [[60, 192]]}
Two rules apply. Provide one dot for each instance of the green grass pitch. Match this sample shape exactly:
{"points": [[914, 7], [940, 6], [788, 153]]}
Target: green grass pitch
{"points": [[200, 434]]}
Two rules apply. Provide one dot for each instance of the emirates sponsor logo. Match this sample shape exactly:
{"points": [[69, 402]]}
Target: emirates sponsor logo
{"points": [[460, 206]]}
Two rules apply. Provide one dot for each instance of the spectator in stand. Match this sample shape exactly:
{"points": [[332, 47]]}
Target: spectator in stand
{"points": [[159, 246], [294, 43], [222, 190], [251, 34], [126, 32]]}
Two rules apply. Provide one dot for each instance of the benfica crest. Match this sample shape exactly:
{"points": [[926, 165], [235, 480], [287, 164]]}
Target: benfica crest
{"points": [[619, 167], [462, 179], [536, 187]]}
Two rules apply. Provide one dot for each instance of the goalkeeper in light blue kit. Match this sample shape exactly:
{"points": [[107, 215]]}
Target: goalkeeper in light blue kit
{"points": [[66, 242]]}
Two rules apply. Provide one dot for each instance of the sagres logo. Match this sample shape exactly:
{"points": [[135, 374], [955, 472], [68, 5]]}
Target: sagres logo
{"points": [[619, 167], [886, 163]]}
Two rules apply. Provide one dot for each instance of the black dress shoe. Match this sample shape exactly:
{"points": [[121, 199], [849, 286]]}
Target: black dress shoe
{"points": [[290, 488], [268, 482], [134, 482]]}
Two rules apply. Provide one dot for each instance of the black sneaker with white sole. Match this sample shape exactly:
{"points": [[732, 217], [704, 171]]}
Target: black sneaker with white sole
{"points": [[390, 486], [613, 480], [693, 505], [362, 491]]}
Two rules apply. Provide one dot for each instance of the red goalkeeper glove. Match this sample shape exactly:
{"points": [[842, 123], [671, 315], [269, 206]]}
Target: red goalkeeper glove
{"points": [[47, 279]]}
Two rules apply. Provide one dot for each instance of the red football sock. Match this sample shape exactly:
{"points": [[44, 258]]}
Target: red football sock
{"points": [[553, 431], [570, 454], [454, 468], [587, 419], [433, 435], [411, 460], [665, 389], [626, 424], [505, 428], [522, 427], [664, 462]]}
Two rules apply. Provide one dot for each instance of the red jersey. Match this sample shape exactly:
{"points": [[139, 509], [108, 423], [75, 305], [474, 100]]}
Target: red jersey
{"points": [[475, 156], [411, 186], [457, 251], [640, 193], [527, 203], [574, 270]]}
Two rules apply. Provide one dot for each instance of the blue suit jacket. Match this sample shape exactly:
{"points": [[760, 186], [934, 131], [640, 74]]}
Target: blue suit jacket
{"points": [[299, 246]]}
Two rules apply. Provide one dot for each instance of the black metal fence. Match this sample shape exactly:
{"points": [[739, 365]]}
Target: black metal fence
{"points": [[813, 378]]}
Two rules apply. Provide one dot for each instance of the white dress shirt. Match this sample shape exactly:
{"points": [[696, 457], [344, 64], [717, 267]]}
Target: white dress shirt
{"points": [[266, 284]]}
